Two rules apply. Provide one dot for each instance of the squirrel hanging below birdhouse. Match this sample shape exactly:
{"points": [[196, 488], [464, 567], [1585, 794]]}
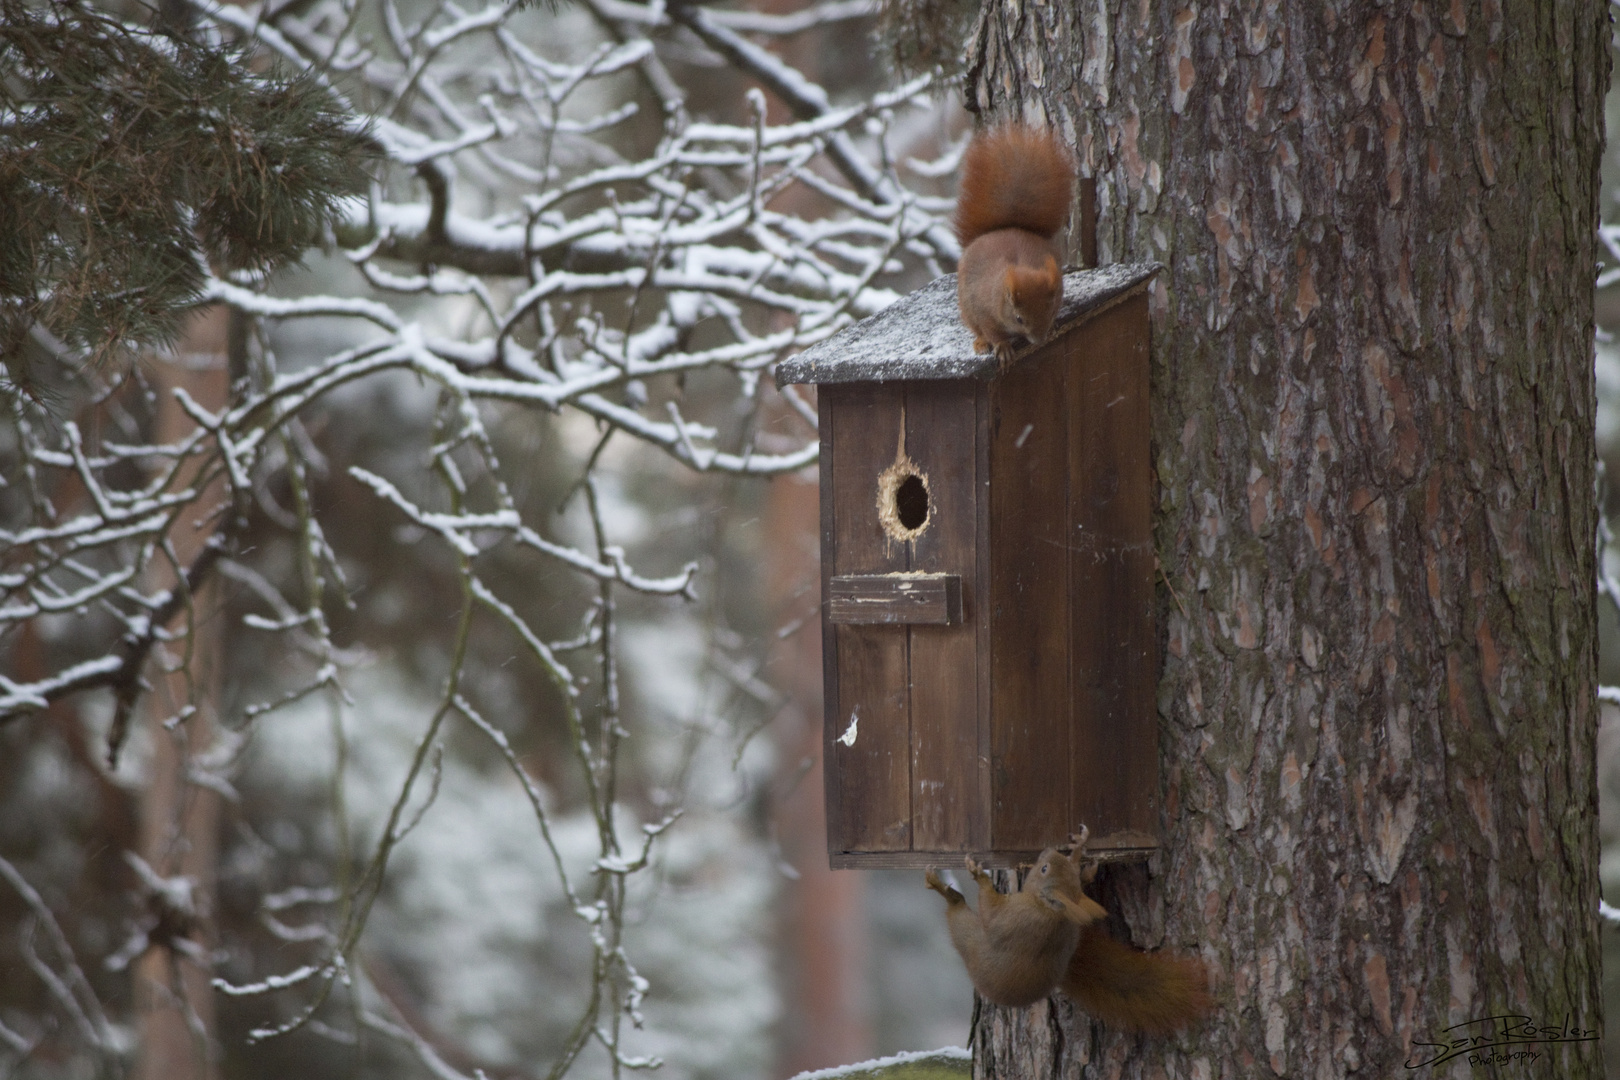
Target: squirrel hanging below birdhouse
{"points": [[1019, 947]]}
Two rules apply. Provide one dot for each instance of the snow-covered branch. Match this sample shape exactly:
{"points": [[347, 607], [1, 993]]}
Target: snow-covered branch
{"points": [[555, 245]]}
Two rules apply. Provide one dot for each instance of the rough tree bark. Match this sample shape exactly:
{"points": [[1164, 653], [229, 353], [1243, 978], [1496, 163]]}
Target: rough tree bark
{"points": [[1373, 432]]}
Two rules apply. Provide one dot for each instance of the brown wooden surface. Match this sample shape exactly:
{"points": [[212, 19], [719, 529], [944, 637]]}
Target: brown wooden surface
{"points": [[828, 399], [1114, 764], [1029, 580], [1086, 245], [914, 599], [1035, 713], [940, 438], [869, 783], [981, 618], [1126, 847]]}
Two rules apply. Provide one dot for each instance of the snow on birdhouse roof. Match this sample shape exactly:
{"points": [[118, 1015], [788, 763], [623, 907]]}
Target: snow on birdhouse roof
{"points": [[922, 336]]}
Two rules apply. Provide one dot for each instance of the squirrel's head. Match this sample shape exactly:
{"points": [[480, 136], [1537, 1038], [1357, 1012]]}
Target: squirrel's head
{"points": [[1054, 868], [1065, 875], [1033, 294]]}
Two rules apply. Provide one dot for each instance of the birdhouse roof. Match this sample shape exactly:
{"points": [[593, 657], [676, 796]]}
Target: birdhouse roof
{"points": [[922, 336]]}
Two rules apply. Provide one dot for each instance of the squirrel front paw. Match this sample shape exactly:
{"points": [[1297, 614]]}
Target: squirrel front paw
{"points": [[1052, 899]]}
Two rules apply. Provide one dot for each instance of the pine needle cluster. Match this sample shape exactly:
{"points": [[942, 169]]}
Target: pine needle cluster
{"points": [[918, 36], [133, 162]]}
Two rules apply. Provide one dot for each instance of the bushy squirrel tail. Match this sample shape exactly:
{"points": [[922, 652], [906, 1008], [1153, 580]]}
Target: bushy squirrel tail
{"points": [[1132, 990], [1014, 176]]}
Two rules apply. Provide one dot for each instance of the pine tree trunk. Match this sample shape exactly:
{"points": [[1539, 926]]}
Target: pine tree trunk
{"points": [[1373, 433]]}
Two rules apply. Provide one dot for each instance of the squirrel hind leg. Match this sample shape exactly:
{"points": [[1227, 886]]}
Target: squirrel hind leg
{"points": [[1082, 911], [976, 868], [1077, 853], [937, 883], [990, 897]]}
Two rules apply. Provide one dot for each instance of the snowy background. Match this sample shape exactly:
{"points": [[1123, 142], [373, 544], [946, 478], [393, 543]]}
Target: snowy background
{"points": [[633, 233]]}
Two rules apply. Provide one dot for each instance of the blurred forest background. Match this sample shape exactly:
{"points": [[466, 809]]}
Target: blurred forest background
{"points": [[730, 950], [516, 600]]}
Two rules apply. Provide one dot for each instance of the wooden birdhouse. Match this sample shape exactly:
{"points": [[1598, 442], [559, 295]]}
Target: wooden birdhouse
{"points": [[987, 574]]}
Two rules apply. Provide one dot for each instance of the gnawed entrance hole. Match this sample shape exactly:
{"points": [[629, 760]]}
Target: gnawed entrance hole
{"points": [[904, 507]]}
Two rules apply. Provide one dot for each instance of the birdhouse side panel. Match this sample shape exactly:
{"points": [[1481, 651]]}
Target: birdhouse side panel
{"points": [[867, 736], [1114, 669], [941, 438], [1029, 584]]}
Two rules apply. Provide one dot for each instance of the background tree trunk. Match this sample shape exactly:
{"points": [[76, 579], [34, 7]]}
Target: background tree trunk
{"points": [[1373, 431], [822, 941], [826, 1020], [179, 829]]}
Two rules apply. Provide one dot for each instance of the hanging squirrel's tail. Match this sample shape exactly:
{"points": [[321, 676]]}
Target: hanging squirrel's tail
{"points": [[1132, 990]]}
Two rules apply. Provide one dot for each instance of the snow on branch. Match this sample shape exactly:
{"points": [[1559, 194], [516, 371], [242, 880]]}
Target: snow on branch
{"points": [[68, 986], [552, 242]]}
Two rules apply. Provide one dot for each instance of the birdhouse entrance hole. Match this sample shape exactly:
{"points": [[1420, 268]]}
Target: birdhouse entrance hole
{"points": [[903, 500], [911, 502]]}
